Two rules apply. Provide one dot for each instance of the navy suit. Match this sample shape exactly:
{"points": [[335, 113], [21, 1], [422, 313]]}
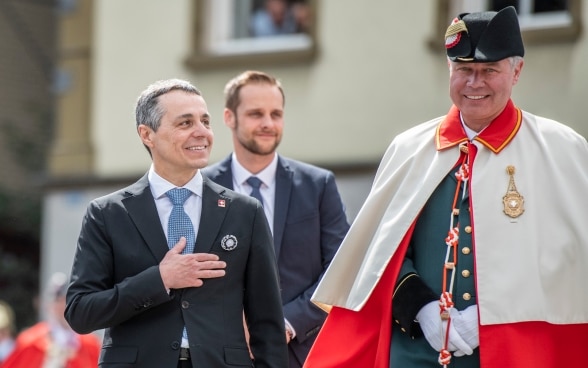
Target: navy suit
{"points": [[309, 224], [116, 284]]}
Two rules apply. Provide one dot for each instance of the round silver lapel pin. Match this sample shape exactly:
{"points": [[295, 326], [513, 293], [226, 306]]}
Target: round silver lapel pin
{"points": [[229, 242]]}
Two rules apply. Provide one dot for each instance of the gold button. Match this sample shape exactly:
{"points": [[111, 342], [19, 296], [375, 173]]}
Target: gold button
{"points": [[465, 250], [468, 229], [465, 273], [467, 296]]}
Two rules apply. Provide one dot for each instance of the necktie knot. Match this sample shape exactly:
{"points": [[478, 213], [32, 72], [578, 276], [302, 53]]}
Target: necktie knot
{"points": [[255, 184], [178, 195]]}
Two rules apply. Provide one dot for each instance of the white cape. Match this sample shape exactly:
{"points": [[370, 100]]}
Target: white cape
{"points": [[537, 262]]}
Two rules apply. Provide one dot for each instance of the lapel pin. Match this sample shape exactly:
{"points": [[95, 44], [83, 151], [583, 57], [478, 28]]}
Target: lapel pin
{"points": [[221, 203], [513, 201], [229, 242]]}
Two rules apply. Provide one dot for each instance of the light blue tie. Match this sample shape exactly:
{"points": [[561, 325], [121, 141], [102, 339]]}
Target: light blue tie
{"points": [[255, 184], [179, 223]]}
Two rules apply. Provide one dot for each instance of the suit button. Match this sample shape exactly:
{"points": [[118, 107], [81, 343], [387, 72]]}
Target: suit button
{"points": [[185, 304], [468, 229], [175, 345], [465, 273], [467, 296], [465, 250]]}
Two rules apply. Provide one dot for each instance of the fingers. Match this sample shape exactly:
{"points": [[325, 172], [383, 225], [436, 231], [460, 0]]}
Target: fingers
{"points": [[458, 342], [210, 273], [466, 324], [431, 324], [189, 270], [203, 257], [207, 265], [180, 245]]}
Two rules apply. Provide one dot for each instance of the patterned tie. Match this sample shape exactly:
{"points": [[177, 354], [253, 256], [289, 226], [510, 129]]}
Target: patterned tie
{"points": [[179, 223], [255, 184]]}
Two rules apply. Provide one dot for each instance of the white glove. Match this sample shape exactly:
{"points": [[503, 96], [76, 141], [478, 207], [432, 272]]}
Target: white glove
{"points": [[434, 329], [466, 324]]}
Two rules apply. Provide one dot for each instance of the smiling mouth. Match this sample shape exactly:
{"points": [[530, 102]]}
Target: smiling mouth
{"points": [[197, 148], [475, 97]]}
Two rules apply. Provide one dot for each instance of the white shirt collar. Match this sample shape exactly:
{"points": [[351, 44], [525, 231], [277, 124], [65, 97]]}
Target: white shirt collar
{"points": [[267, 175], [159, 186], [469, 132]]}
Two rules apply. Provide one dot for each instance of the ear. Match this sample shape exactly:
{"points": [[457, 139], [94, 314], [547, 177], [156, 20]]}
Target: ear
{"points": [[146, 135], [517, 71], [229, 118]]}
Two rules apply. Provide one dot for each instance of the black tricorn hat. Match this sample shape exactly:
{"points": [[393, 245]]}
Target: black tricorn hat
{"points": [[484, 37]]}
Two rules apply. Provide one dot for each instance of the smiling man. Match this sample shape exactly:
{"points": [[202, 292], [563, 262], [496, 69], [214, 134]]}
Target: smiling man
{"points": [[168, 265], [471, 249], [301, 201]]}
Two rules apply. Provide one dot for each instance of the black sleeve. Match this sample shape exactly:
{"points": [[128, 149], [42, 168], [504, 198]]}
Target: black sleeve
{"points": [[410, 295]]}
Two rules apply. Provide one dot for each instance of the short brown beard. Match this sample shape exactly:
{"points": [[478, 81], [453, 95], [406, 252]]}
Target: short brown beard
{"points": [[252, 146]]}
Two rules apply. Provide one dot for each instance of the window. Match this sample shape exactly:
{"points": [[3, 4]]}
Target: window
{"points": [[233, 32], [541, 21]]}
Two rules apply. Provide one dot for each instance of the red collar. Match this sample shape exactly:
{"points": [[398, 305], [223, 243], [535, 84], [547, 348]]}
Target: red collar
{"points": [[495, 137]]}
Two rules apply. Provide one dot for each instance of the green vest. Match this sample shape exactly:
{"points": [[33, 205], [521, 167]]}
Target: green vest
{"points": [[425, 257]]}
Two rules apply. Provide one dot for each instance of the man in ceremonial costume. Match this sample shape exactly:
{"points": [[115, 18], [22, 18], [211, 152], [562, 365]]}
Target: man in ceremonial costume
{"points": [[471, 249], [51, 343]]}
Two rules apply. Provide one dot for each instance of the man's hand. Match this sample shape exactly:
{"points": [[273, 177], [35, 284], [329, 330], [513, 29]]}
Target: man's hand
{"points": [[434, 329], [289, 335], [188, 270], [466, 324]]}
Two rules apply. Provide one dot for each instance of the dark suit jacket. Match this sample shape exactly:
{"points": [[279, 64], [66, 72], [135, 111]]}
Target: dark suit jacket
{"points": [[309, 225], [116, 284]]}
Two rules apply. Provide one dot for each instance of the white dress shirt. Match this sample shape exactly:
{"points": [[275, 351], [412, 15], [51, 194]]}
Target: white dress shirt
{"points": [[193, 205], [267, 189]]}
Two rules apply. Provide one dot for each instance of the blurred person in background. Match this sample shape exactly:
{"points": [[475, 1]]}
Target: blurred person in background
{"points": [[7, 330], [279, 17], [51, 343], [301, 201]]}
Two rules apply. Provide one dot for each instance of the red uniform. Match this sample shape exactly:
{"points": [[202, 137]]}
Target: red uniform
{"points": [[34, 346]]}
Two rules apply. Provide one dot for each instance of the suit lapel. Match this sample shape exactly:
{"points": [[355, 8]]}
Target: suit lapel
{"points": [[283, 189], [225, 176], [214, 209], [142, 211]]}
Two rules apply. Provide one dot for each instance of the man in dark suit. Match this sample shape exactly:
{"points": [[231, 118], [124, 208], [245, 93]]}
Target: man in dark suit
{"points": [[168, 303], [300, 200]]}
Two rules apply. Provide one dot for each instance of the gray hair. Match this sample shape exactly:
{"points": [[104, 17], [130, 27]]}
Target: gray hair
{"points": [[515, 60], [148, 111]]}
